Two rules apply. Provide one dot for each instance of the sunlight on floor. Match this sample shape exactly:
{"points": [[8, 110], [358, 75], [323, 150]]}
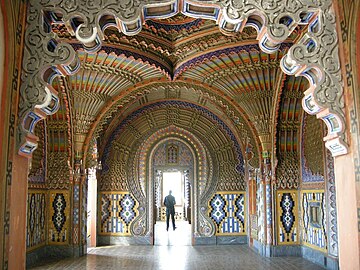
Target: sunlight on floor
{"points": [[180, 237]]}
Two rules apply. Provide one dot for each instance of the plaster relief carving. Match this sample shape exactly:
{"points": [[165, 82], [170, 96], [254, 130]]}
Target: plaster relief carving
{"points": [[315, 56]]}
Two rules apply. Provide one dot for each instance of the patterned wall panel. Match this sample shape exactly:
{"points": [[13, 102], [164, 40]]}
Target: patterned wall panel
{"points": [[184, 155], [84, 213], [227, 210], [313, 222], [312, 155], [59, 218], [36, 219], [117, 211], [287, 217], [75, 210], [260, 211]]}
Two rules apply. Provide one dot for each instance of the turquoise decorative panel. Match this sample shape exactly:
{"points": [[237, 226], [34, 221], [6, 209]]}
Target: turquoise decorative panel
{"points": [[227, 210], [117, 211]]}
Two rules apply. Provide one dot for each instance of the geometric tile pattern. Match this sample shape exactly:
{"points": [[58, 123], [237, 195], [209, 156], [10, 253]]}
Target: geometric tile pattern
{"points": [[118, 210], [76, 191], [84, 212], [313, 227], [76, 213], [227, 210], [59, 218], [36, 219], [184, 155], [287, 215]]}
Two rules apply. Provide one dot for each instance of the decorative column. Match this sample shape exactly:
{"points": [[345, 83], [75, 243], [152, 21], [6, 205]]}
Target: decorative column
{"points": [[252, 204], [77, 180], [266, 184], [158, 194], [187, 196], [79, 189]]}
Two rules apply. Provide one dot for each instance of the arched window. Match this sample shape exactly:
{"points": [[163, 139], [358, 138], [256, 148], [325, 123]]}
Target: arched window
{"points": [[172, 154]]}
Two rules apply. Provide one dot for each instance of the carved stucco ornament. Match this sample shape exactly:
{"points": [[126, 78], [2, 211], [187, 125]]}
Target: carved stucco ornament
{"points": [[45, 58], [315, 56]]}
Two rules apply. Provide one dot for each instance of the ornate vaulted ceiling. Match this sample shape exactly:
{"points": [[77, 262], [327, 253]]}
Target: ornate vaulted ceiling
{"points": [[182, 59]]}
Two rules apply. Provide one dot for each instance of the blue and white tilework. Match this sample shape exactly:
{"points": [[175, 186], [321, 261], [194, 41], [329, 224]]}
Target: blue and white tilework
{"points": [[314, 233], [227, 210], [287, 217], [118, 210]]}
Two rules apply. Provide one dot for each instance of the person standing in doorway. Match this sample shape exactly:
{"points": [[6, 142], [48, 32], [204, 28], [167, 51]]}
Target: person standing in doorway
{"points": [[170, 202]]}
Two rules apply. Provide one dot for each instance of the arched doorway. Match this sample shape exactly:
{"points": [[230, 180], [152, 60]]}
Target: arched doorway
{"points": [[172, 165]]}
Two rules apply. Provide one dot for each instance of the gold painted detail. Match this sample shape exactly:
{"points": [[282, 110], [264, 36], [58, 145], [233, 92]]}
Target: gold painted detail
{"points": [[230, 179], [288, 170], [58, 170], [115, 178], [313, 145]]}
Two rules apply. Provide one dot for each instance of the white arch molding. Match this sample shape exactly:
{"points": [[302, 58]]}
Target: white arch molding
{"points": [[314, 56], [201, 223]]}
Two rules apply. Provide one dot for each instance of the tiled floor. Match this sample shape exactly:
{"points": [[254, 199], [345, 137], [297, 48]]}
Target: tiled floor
{"points": [[172, 250]]}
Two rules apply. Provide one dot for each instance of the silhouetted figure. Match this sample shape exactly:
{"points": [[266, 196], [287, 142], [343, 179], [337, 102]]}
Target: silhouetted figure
{"points": [[170, 209]]}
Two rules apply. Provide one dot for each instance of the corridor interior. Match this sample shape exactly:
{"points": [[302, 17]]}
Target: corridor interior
{"points": [[103, 100]]}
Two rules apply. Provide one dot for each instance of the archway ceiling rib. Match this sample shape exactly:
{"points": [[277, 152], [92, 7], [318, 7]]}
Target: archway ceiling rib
{"points": [[165, 115], [233, 65], [98, 81], [290, 114], [101, 77], [179, 91], [215, 134], [288, 132]]}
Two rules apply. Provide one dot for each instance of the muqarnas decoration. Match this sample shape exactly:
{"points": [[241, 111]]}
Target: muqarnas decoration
{"points": [[118, 210], [59, 217], [287, 219], [314, 233], [227, 210], [36, 219]]}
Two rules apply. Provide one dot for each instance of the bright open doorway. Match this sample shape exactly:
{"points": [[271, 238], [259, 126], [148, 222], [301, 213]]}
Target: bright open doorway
{"points": [[173, 181]]}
